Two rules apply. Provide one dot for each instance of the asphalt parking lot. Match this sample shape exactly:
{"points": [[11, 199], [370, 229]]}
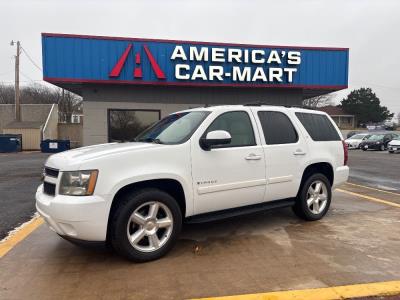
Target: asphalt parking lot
{"points": [[357, 242], [19, 177], [375, 168]]}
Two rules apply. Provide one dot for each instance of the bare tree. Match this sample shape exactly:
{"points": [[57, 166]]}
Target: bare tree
{"points": [[37, 93], [319, 101], [6, 94], [68, 104], [41, 94]]}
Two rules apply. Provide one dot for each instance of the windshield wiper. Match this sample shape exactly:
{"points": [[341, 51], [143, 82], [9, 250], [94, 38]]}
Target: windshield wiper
{"points": [[150, 140]]}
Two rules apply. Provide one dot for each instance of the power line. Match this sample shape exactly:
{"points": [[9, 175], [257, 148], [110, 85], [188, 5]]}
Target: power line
{"points": [[32, 61]]}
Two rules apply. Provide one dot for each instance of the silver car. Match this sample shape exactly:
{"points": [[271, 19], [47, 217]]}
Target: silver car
{"points": [[394, 145], [354, 141]]}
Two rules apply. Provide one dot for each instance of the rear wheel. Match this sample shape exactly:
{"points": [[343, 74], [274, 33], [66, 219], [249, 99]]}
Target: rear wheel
{"points": [[146, 225], [382, 147], [314, 198]]}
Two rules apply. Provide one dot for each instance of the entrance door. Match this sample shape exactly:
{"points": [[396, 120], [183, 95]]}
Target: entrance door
{"points": [[229, 175]]}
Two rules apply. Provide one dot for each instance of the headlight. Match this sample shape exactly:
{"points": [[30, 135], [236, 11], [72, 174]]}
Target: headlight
{"points": [[78, 183]]}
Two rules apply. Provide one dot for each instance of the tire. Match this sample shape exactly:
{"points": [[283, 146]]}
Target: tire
{"points": [[391, 152], [154, 239], [363, 149], [313, 213], [382, 148]]}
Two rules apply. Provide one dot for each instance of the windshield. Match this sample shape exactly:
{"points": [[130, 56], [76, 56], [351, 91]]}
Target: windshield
{"points": [[376, 137], [173, 129], [397, 138], [358, 136]]}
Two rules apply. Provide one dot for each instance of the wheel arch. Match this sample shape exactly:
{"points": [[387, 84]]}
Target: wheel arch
{"points": [[324, 168], [171, 186]]}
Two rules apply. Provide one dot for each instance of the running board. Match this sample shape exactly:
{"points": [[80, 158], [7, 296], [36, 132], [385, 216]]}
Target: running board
{"points": [[239, 211]]}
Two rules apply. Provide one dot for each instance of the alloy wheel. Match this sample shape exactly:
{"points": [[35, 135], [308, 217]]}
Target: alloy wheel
{"points": [[317, 197], [150, 226]]}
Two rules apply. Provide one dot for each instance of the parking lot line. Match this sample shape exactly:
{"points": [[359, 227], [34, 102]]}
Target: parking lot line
{"points": [[387, 288], [371, 188], [369, 198], [15, 237]]}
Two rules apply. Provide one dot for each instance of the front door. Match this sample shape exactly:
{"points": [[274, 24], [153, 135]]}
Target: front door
{"points": [[229, 175]]}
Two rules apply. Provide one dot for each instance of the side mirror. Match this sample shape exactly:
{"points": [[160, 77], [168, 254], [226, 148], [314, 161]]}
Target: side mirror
{"points": [[216, 137]]}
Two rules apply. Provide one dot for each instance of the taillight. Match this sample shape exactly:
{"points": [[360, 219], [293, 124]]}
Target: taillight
{"points": [[345, 152]]}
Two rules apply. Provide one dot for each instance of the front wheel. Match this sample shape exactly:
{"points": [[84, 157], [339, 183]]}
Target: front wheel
{"points": [[146, 225], [382, 148], [314, 198]]}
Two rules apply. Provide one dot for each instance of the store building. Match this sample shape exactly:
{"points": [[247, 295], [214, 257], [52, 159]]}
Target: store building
{"points": [[342, 119], [129, 83]]}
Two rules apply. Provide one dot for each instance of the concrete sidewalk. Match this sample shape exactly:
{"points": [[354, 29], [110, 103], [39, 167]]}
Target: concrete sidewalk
{"points": [[357, 242]]}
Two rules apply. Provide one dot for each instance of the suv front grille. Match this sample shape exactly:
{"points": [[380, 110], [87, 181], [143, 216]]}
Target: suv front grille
{"points": [[51, 172], [49, 188]]}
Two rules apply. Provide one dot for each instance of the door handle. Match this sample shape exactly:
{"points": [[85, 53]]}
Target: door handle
{"points": [[253, 156], [299, 152]]}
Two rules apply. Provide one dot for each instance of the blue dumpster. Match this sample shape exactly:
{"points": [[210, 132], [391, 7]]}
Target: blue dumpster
{"points": [[10, 142], [54, 146]]}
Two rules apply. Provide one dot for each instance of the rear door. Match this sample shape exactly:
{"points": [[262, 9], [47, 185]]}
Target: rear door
{"points": [[285, 152]]}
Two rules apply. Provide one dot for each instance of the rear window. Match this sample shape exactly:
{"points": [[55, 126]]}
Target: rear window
{"points": [[319, 127]]}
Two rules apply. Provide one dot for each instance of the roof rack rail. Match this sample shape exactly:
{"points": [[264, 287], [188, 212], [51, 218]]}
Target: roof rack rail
{"points": [[269, 104]]}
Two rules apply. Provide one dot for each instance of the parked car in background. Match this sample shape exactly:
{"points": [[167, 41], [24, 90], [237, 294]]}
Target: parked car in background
{"points": [[376, 127], [351, 133], [377, 141], [390, 125], [354, 141], [394, 145]]}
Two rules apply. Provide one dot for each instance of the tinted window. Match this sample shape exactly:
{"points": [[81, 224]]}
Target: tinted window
{"points": [[125, 124], [238, 124], [319, 127], [277, 128], [376, 137]]}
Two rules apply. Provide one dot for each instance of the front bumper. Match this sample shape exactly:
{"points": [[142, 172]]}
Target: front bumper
{"points": [[341, 175], [371, 146], [78, 217], [394, 148], [351, 146]]}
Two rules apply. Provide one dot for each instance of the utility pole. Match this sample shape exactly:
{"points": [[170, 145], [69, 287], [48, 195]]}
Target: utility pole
{"points": [[17, 102]]}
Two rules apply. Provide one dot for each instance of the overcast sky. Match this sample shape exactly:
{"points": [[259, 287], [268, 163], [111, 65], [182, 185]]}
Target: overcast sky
{"points": [[371, 29]]}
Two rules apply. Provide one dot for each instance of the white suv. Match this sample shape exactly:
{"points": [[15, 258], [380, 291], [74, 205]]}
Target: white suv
{"points": [[193, 166]]}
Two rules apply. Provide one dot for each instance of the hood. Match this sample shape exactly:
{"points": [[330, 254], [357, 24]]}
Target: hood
{"points": [[395, 143], [353, 140], [72, 159]]}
